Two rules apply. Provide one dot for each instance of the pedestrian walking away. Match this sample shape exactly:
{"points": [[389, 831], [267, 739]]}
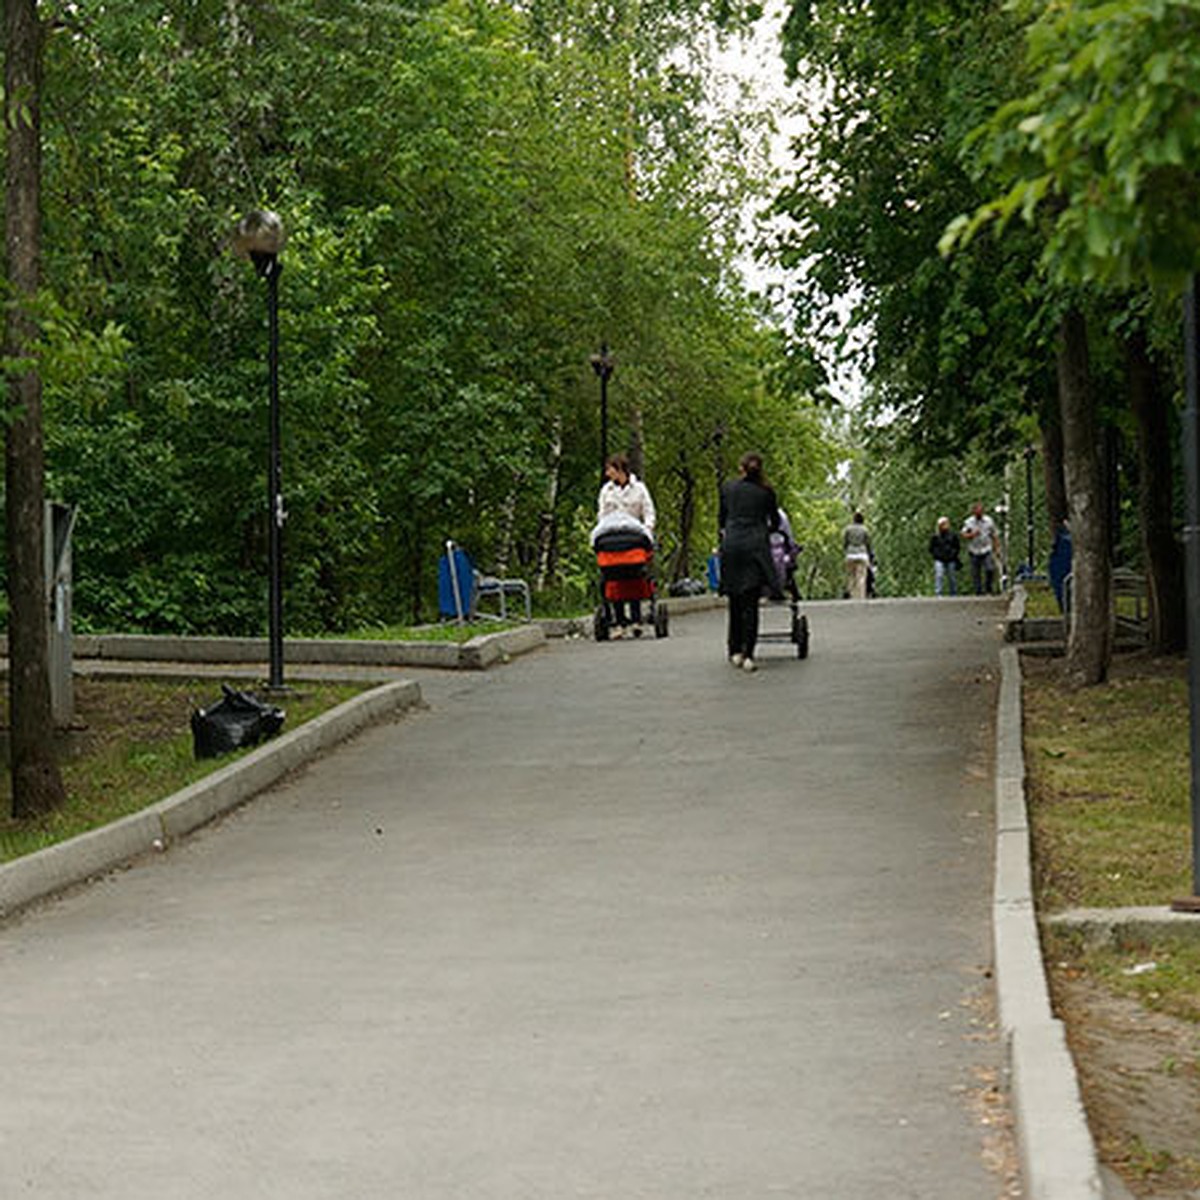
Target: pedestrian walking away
{"points": [[944, 548], [747, 515], [979, 532], [856, 544]]}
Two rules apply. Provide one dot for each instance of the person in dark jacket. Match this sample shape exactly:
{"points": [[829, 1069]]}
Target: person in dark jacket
{"points": [[944, 548], [748, 514]]}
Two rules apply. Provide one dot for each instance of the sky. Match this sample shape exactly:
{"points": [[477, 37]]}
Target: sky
{"points": [[758, 60]]}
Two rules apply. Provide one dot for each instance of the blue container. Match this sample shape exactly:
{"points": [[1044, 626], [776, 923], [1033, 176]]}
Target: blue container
{"points": [[714, 572]]}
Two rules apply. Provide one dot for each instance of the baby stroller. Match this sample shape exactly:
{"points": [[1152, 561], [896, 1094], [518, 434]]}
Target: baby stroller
{"points": [[785, 552], [624, 554]]}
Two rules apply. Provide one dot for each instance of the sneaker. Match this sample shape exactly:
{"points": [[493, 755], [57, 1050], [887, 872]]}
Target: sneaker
{"points": [[748, 664], [617, 631], [737, 659]]}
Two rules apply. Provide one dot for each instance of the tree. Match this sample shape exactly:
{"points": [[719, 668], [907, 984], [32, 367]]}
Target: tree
{"points": [[36, 783], [1098, 153]]}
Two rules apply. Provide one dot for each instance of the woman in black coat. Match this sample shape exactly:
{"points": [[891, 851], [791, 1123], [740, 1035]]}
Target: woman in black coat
{"points": [[748, 513]]}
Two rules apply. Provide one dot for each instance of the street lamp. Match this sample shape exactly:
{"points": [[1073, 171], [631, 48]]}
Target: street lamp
{"points": [[1190, 436], [259, 237], [603, 364], [1030, 455], [1001, 509]]}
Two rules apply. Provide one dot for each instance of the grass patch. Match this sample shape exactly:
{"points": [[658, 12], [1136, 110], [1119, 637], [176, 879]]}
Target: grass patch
{"points": [[1162, 975], [133, 748], [447, 631], [1108, 783], [1039, 600]]}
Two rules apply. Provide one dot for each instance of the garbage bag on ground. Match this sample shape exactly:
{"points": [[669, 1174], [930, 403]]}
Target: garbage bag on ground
{"points": [[237, 720]]}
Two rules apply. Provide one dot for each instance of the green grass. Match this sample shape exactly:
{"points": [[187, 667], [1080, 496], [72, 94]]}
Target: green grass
{"points": [[1109, 782], [1163, 974], [1110, 809], [1039, 600], [136, 749], [447, 631]]}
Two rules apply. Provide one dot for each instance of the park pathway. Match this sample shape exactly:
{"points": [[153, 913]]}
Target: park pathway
{"points": [[611, 921]]}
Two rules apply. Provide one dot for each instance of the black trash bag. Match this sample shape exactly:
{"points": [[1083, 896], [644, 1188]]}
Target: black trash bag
{"points": [[237, 720]]}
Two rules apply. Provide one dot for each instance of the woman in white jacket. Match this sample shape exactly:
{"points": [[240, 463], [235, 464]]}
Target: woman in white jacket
{"points": [[625, 494]]}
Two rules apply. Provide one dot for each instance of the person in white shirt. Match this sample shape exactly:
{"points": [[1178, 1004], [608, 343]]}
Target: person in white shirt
{"points": [[625, 495], [624, 492], [979, 532]]}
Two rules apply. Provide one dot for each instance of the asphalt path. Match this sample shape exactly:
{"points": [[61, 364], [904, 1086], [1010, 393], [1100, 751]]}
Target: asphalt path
{"points": [[611, 921]]}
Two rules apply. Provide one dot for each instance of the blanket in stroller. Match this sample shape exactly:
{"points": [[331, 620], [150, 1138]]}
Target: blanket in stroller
{"points": [[624, 555]]}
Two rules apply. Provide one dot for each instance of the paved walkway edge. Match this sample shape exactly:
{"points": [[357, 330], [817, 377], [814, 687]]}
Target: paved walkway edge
{"points": [[45, 872], [1058, 1156]]}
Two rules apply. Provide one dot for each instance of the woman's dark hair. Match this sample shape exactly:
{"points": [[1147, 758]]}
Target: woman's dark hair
{"points": [[619, 461], [752, 468]]}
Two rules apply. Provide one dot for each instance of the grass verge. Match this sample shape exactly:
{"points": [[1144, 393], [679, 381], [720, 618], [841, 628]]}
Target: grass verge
{"points": [[1108, 780], [447, 631], [1109, 800], [132, 748]]}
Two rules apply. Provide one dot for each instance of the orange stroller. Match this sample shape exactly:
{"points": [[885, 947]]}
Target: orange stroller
{"points": [[624, 557]]}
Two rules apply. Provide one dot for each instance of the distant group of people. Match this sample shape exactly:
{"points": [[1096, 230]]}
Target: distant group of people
{"points": [[757, 551], [979, 532]]}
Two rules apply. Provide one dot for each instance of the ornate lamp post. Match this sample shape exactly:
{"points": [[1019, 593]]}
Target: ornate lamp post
{"points": [[603, 364], [259, 236]]}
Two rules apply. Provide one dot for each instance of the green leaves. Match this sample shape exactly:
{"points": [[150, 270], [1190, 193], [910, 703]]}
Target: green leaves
{"points": [[1102, 150]]}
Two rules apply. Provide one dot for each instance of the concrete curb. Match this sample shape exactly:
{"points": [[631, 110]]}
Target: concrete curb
{"points": [[1058, 1156], [477, 654], [1127, 927], [45, 872]]}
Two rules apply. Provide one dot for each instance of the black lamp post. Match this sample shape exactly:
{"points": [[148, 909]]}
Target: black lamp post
{"points": [[1191, 546], [260, 237], [603, 364], [1030, 454]]}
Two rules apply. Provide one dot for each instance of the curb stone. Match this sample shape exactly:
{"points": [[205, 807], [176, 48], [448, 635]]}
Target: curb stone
{"points": [[477, 654], [36, 876], [1058, 1156]]}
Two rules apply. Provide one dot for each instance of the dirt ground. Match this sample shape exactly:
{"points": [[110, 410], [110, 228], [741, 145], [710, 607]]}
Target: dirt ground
{"points": [[1139, 1072]]}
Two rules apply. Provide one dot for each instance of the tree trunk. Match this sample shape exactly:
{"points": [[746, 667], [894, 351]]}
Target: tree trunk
{"points": [[36, 783], [1153, 415], [1089, 643], [1052, 472], [508, 522], [682, 559], [549, 521]]}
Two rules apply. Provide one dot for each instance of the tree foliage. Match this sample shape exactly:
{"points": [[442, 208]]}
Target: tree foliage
{"points": [[1101, 144], [475, 197]]}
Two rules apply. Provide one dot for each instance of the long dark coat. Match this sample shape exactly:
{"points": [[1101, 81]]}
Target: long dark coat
{"points": [[748, 513]]}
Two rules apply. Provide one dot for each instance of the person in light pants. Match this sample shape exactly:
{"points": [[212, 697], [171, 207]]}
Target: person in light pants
{"points": [[856, 543]]}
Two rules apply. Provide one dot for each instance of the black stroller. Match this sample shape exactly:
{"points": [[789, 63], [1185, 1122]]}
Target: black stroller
{"points": [[785, 552]]}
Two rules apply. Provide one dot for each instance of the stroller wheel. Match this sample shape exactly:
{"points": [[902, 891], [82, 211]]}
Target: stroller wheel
{"points": [[600, 625], [800, 636], [661, 622]]}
